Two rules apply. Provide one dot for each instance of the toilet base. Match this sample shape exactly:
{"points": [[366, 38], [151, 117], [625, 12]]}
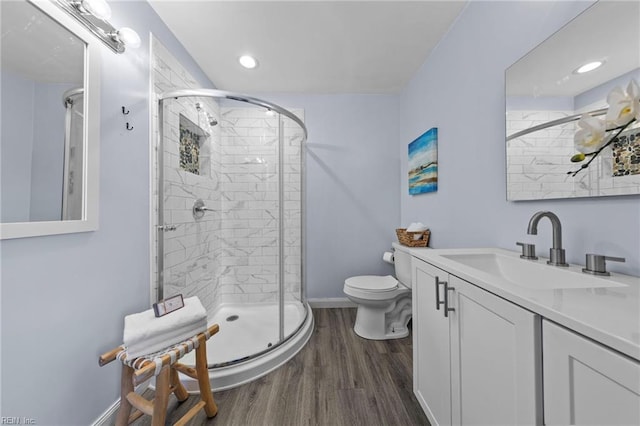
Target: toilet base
{"points": [[384, 323]]}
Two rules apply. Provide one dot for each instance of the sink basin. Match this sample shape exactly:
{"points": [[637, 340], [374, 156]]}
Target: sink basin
{"points": [[530, 274]]}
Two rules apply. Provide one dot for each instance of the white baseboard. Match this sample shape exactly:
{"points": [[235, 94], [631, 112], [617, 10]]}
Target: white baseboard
{"points": [[107, 417], [331, 302]]}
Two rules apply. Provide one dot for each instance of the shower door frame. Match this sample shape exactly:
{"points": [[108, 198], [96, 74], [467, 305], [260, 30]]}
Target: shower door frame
{"points": [[159, 227]]}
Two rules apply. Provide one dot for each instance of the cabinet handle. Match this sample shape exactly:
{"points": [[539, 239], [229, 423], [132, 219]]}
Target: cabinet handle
{"points": [[447, 309], [438, 284]]}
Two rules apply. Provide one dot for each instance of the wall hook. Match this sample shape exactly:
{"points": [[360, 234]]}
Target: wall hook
{"points": [[129, 127], [125, 111]]}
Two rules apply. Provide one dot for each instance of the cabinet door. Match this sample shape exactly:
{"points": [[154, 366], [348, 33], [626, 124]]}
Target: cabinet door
{"points": [[495, 367], [431, 359], [587, 383]]}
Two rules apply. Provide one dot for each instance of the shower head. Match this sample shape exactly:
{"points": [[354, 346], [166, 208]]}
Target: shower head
{"points": [[213, 122]]}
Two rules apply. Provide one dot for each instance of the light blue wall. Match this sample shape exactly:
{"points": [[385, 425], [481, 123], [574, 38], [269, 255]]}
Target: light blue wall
{"points": [[33, 145], [64, 297], [460, 90], [352, 169], [47, 166], [15, 158]]}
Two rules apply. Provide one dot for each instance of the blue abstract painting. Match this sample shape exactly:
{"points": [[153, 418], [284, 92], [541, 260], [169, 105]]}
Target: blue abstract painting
{"points": [[423, 163]]}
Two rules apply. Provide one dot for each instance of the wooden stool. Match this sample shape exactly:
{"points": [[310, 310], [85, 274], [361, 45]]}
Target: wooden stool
{"points": [[165, 367]]}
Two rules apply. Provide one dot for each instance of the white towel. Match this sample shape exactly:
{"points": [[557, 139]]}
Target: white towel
{"points": [[416, 227], [143, 326], [166, 340]]}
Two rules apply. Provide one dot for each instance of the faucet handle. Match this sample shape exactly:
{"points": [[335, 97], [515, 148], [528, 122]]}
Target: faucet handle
{"points": [[528, 251], [595, 264]]}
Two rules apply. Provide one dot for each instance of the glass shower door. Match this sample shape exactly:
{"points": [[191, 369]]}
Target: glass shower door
{"points": [[292, 183], [189, 171]]}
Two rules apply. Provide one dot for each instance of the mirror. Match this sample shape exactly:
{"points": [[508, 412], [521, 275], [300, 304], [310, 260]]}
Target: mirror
{"points": [[50, 110], [546, 96]]}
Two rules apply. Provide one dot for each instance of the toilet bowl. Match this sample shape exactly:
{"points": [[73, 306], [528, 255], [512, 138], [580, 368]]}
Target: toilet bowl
{"points": [[384, 302]]}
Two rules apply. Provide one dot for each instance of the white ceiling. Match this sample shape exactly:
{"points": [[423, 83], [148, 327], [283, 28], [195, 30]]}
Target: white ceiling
{"points": [[609, 31], [344, 46]]}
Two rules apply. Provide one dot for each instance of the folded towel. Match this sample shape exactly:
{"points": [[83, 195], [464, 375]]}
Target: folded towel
{"points": [[166, 340], [143, 326]]}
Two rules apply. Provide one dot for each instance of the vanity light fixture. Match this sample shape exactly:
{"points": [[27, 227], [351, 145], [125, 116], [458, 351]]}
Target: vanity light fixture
{"points": [[128, 36], [93, 14], [588, 67], [248, 61], [98, 8]]}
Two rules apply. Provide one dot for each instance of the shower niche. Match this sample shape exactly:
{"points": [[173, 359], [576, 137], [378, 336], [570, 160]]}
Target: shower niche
{"points": [[192, 142]]}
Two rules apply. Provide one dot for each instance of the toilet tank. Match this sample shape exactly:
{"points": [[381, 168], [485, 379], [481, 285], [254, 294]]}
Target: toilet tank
{"points": [[402, 263]]}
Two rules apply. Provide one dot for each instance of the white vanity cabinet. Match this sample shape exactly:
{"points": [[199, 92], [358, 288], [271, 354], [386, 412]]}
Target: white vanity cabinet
{"points": [[431, 355], [586, 382], [477, 365]]}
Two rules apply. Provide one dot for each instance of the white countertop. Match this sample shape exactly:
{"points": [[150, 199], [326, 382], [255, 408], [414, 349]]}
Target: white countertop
{"points": [[609, 315]]}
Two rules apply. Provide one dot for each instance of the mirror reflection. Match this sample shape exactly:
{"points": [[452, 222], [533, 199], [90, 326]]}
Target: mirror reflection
{"points": [[563, 94], [42, 143]]}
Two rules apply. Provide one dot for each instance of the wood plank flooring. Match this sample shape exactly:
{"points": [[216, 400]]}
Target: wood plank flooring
{"points": [[338, 378]]}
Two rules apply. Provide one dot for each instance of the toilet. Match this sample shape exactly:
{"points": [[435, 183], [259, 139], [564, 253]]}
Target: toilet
{"points": [[384, 302]]}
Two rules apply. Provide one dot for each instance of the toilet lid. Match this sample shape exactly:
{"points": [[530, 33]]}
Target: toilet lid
{"points": [[372, 283]]}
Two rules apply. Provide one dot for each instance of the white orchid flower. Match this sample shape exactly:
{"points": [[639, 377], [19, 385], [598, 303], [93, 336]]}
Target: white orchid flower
{"points": [[623, 107], [633, 90], [590, 137]]}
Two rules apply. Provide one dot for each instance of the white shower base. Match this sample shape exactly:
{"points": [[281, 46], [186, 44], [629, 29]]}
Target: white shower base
{"points": [[255, 330]]}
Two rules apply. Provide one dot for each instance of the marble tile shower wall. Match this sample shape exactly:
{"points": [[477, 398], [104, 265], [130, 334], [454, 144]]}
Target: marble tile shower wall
{"points": [[191, 252], [538, 163], [540, 157], [251, 206]]}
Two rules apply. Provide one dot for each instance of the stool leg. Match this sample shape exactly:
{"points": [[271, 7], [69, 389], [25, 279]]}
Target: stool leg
{"points": [[203, 379], [162, 397], [126, 386], [178, 387]]}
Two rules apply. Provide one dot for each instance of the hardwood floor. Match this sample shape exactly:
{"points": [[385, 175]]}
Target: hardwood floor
{"points": [[338, 379]]}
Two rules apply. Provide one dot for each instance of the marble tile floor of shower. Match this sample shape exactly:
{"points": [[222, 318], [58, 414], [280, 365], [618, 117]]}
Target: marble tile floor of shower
{"points": [[338, 378]]}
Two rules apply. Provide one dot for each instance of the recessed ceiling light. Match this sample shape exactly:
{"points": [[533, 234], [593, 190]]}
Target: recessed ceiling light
{"points": [[589, 67], [247, 61]]}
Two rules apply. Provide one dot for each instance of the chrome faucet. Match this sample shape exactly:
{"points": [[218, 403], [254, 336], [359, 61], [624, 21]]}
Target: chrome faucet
{"points": [[556, 253]]}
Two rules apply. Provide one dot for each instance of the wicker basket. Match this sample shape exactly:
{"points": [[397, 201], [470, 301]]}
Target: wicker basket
{"points": [[409, 238]]}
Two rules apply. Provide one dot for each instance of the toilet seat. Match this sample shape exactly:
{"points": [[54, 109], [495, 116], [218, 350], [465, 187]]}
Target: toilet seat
{"points": [[372, 283]]}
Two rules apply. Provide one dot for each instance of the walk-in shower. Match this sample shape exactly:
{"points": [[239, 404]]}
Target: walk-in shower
{"points": [[230, 225]]}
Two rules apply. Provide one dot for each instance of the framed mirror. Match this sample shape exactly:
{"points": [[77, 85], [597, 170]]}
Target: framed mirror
{"points": [[49, 143], [547, 94]]}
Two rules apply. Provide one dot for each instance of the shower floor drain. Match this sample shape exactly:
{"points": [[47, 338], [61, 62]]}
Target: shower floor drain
{"points": [[232, 318]]}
